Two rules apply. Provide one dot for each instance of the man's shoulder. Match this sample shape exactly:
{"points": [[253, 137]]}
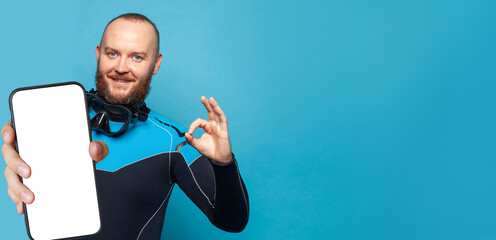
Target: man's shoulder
{"points": [[177, 131], [167, 124]]}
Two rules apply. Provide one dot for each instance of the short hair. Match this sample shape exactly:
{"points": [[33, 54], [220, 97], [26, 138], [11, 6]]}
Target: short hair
{"points": [[137, 18]]}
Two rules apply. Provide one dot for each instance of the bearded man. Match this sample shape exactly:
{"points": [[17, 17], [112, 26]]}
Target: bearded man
{"points": [[150, 155]]}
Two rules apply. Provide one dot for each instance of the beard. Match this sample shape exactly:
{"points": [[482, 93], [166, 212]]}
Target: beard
{"points": [[137, 95]]}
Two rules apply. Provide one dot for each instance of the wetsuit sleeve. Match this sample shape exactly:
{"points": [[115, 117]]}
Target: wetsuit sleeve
{"points": [[217, 189]]}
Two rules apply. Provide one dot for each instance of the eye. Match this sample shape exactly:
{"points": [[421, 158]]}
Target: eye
{"points": [[112, 54], [137, 58]]}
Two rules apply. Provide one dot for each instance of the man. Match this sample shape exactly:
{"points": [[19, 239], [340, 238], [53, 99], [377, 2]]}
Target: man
{"points": [[146, 160]]}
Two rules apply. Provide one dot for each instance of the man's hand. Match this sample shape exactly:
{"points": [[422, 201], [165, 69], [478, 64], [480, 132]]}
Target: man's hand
{"points": [[214, 143], [16, 167]]}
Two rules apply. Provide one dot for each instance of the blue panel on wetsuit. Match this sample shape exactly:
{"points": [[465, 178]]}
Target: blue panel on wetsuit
{"points": [[143, 139], [189, 152]]}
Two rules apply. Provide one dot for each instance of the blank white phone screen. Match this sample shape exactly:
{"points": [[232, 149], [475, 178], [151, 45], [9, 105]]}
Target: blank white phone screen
{"points": [[53, 138]]}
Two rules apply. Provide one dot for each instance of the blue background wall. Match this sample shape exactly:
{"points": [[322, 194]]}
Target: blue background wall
{"points": [[350, 119]]}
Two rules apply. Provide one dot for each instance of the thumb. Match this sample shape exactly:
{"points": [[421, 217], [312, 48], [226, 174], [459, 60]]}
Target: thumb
{"points": [[98, 150]]}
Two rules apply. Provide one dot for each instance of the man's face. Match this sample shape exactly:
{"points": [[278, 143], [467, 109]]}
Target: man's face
{"points": [[126, 61]]}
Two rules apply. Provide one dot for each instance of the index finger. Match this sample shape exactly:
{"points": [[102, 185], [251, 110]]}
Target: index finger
{"points": [[14, 161], [10, 155]]}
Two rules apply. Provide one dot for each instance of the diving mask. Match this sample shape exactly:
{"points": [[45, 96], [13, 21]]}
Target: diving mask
{"points": [[112, 119]]}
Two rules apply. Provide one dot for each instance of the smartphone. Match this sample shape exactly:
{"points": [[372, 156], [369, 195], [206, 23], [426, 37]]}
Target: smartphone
{"points": [[52, 136]]}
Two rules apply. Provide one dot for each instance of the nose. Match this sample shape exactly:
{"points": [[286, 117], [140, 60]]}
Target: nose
{"points": [[122, 66]]}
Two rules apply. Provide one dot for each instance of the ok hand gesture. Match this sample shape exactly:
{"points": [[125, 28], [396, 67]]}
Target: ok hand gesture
{"points": [[214, 143]]}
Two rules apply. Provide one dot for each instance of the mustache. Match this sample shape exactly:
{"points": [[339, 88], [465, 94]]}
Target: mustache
{"points": [[117, 76]]}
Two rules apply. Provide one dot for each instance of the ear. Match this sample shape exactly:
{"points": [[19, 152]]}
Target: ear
{"points": [[97, 53], [157, 63]]}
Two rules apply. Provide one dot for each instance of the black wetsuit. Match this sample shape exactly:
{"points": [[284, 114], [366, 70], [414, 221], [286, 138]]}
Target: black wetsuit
{"points": [[135, 181]]}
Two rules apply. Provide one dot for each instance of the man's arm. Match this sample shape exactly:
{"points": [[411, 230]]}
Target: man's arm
{"points": [[217, 189], [16, 167]]}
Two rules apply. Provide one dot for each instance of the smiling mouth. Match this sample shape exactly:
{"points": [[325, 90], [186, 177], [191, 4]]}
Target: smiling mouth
{"points": [[121, 80]]}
